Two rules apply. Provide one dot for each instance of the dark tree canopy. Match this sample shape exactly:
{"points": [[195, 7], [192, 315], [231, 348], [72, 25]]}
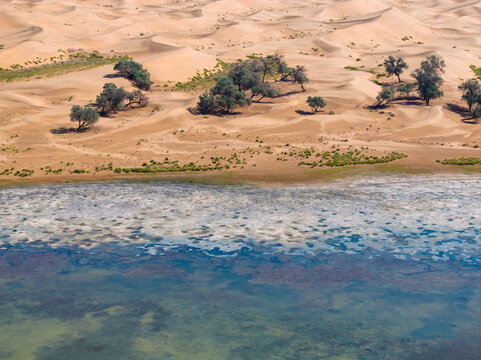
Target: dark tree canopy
{"points": [[134, 72], [85, 116], [429, 79], [112, 98], [251, 74], [384, 95], [471, 92], [476, 112], [395, 66], [224, 96], [316, 103]]}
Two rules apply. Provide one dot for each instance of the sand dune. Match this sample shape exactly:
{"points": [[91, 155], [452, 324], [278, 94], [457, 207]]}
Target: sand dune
{"points": [[175, 39]]}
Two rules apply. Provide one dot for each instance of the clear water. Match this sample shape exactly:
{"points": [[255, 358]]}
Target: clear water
{"points": [[371, 269]]}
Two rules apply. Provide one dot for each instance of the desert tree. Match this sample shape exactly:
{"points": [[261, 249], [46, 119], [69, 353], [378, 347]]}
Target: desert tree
{"points": [[224, 96], [406, 89], [281, 67], [476, 112], [428, 78], [244, 75], [250, 75], [395, 66], [298, 75], [84, 116], [384, 95], [112, 98], [471, 92], [134, 72], [137, 97], [316, 103]]}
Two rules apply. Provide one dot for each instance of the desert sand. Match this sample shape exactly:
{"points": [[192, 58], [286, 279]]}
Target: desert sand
{"points": [[174, 39]]}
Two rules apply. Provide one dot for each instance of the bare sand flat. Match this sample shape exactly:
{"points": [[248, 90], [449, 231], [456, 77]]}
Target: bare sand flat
{"points": [[174, 39]]}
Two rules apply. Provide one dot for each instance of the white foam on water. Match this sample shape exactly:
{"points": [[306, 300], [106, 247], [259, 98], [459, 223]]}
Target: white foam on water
{"points": [[409, 217]]}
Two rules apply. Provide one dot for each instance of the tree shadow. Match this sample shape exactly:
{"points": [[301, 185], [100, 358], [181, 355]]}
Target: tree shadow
{"points": [[289, 93], [112, 76], [457, 109], [467, 118], [305, 113], [64, 130], [412, 102], [377, 107]]}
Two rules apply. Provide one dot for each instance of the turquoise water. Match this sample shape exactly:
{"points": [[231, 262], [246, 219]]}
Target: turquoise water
{"points": [[370, 269]]}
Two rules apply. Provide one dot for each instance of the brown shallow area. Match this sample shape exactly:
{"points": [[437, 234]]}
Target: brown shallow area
{"points": [[174, 39]]}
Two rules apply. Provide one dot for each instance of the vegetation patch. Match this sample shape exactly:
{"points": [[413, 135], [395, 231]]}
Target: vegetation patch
{"points": [[203, 80], [75, 62], [337, 158], [462, 161], [476, 70], [167, 166]]}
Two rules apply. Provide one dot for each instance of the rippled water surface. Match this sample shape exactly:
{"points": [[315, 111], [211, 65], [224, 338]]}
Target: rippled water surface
{"points": [[371, 269]]}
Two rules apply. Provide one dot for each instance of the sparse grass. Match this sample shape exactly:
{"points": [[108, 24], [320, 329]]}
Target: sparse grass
{"points": [[204, 80], [76, 62], [463, 161], [23, 172], [167, 166], [337, 158], [476, 70]]}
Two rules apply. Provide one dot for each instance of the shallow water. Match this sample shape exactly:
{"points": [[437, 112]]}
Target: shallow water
{"points": [[371, 269]]}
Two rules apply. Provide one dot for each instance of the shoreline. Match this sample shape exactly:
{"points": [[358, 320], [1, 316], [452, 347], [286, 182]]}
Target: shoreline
{"points": [[264, 179]]}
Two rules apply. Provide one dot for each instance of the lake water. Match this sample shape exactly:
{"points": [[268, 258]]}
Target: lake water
{"points": [[384, 268]]}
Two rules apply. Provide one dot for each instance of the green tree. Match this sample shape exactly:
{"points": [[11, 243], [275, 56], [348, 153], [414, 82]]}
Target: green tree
{"points": [[406, 89], [429, 79], [137, 97], [471, 92], [395, 66], [264, 90], [224, 96], [476, 113], [244, 75], [316, 103], [112, 98], [135, 72], [281, 67], [84, 116], [384, 95], [299, 75]]}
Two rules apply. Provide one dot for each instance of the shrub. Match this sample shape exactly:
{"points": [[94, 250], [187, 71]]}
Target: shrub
{"points": [[134, 72], [84, 116], [316, 103]]}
